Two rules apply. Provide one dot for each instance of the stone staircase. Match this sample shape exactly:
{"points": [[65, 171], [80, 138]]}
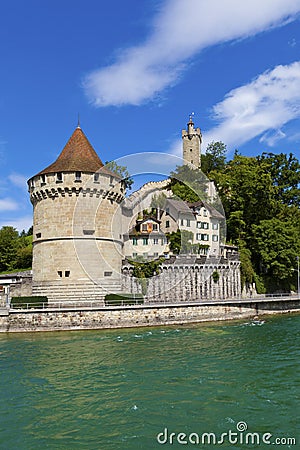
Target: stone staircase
{"points": [[77, 292]]}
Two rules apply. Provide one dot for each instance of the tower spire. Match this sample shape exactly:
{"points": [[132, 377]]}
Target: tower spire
{"points": [[78, 122]]}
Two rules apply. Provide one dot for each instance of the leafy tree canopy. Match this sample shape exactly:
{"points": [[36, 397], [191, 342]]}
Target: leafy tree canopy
{"points": [[122, 171], [180, 241], [214, 158], [189, 184], [261, 198], [15, 249]]}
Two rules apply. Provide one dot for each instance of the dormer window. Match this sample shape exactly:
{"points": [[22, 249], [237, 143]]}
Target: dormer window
{"points": [[59, 177], [77, 176]]}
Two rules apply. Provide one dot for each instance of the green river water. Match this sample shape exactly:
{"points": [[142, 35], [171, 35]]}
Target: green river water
{"points": [[133, 388]]}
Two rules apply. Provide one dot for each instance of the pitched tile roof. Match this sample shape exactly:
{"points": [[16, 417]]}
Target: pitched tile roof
{"points": [[179, 205], [77, 155], [213, 212]]}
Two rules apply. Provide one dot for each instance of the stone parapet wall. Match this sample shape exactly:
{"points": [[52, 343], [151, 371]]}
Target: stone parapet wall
{"points": [[185, 282], [139, 316]]}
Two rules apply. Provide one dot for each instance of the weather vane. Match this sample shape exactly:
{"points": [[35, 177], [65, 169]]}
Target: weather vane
{"points": [[191, 116]]}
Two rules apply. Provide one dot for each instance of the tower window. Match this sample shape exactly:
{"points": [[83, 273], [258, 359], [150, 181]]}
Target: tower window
{"points": [[96, 177], [111, 181], [43, 179], [77, 176], [59, 273], [59, 177], [38, 235], [67, 273]]}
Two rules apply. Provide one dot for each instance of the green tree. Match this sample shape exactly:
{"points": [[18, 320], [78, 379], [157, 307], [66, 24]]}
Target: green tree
{"points": [[277, 245], [24, 257], [285, 173], [143, 270], [189, 184], [122, 172], [247, 271], [261, 196], [8, 247], [180, 241], [158, 201], [214, 158], [248, 191]]}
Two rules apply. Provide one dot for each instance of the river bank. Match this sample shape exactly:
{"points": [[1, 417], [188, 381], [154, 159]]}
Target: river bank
{"points": [[99, 317]]}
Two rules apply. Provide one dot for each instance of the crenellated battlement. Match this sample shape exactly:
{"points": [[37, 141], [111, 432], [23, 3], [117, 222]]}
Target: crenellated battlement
{"points": [[38, 195]]}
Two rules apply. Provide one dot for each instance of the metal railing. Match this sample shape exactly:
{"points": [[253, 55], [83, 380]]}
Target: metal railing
{"points": [[102, 304]]}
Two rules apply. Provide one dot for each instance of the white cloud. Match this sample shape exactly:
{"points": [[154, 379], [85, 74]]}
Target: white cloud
{"points": [[21, 223], [18, 180], [7, 204], [272, 137], [180, 31], [262, 106]]}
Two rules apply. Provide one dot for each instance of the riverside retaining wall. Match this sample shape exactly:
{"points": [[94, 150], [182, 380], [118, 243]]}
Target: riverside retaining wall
{"points": [[138, 316]]}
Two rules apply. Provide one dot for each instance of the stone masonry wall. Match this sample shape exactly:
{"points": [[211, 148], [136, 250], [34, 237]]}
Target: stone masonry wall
{"points": [[137, 316], [183, 282]]}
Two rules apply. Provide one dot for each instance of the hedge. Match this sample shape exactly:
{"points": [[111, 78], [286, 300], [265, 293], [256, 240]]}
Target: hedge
{"points": [[123, 299], [33, 301]]}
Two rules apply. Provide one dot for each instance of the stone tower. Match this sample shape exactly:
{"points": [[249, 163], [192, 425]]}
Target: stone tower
{"points": [[77, 250], [191, 142]]}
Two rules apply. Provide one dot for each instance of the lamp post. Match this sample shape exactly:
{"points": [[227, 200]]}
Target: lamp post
{"points": [[298, 276]]}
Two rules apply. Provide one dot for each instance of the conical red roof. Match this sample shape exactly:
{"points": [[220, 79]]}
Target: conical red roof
{"points": [[77, 155]]}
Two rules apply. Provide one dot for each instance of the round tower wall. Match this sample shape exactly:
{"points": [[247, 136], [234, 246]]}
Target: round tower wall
{"points": [[75, 227]]}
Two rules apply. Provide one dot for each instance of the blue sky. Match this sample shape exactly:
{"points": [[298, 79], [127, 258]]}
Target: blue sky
{"points": [[134, 71]]}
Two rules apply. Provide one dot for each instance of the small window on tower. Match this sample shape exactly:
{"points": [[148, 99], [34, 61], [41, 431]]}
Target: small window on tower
{"points": [[38, 235], [43, 179], [77, 176], [96, 177], [67, 273], [59, 177], [59, 273]]}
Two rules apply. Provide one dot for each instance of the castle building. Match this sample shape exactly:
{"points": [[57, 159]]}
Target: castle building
{"points": [[191, 143], [77, 251], [85, 231]]}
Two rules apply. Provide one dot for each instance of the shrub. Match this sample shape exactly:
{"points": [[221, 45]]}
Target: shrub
{"points": [[215, 276], [123, 299], [32, 301]]}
